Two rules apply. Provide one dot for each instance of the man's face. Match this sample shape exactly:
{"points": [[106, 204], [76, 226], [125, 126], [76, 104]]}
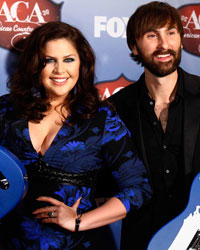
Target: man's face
{"points": [[160, 50]]}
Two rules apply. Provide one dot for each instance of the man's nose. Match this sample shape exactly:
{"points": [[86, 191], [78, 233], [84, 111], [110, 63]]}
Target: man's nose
{"points": [[163, 42]]}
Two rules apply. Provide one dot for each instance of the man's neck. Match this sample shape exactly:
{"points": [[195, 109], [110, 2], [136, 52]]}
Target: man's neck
{"points": [[161, 89]]}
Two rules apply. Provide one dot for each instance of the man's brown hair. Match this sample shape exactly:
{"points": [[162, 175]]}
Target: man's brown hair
{"points": [[149, 17]]}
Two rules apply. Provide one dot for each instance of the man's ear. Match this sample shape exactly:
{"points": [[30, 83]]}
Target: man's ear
{"points": [[134, 50]]}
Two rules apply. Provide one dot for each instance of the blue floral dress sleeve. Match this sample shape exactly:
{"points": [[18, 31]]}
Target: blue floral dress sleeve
{"points": [[126, 166]]}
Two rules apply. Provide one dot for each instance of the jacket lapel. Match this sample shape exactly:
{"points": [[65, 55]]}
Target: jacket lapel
{"points": [[191, 117], [136, 119]]}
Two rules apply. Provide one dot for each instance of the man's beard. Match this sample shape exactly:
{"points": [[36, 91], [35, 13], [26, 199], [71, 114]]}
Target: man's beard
{"points": [[161, 69]]}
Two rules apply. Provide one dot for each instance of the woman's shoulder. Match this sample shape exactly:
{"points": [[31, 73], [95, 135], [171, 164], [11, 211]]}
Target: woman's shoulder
{"points": [[113, 126], [107, 114], [106, 108], [104, 112], [5, 104], [101, 115]]}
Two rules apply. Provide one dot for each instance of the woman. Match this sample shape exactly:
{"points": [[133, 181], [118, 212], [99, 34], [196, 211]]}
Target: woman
{"points": [[54, 122]]}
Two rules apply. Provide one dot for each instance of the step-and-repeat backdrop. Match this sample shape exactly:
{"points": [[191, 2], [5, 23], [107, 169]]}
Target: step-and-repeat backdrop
{"points": [[103, 23]]}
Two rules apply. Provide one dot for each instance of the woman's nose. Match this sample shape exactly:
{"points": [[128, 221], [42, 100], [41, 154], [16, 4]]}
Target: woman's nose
{"points": [[59, 68]]}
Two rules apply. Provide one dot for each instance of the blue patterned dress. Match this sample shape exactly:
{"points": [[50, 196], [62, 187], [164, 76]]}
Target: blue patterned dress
{"points": [[87, 146]]}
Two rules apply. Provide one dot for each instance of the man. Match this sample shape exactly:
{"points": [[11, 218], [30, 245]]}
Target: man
{"points": [[162, 112]]}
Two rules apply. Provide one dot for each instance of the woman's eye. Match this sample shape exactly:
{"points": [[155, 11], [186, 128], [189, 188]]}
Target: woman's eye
{"points": [[69, 59], [50, 60]]}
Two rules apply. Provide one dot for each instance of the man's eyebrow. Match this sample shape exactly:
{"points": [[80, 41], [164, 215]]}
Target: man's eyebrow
{"points": [[156, 30], [172, 27], [150, 30]]}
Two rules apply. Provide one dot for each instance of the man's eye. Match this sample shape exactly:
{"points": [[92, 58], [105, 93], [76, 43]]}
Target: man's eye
{"points": [[152, 35], [171, 33]]}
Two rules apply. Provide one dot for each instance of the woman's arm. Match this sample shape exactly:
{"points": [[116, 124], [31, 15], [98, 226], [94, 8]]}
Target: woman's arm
{"points": [[128, 170], [111, 211], [65, 216]]}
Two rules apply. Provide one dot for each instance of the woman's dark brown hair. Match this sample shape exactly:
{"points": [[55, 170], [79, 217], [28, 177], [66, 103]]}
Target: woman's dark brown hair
{"points": [[26, 89], [148, 17]]}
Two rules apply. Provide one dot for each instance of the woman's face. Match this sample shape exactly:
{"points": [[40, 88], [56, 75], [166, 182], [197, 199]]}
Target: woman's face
{"points": [[61, 71]]}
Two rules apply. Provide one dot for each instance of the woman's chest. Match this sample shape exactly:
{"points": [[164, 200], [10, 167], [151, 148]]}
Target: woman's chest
{"points": [[72, 148]]}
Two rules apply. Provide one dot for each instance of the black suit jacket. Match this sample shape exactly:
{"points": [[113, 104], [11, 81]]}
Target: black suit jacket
{"points": [[127, 104]]}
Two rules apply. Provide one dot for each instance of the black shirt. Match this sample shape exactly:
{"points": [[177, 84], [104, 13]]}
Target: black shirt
{"points": [[165, 156]]}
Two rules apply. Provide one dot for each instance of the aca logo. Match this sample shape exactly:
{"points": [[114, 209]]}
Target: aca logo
{"points": [[109, 88], [190, 16], [19, 18]]}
